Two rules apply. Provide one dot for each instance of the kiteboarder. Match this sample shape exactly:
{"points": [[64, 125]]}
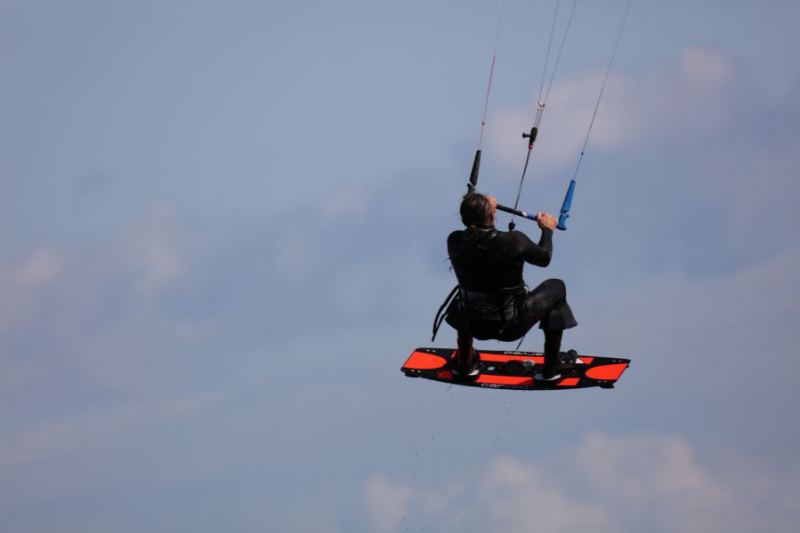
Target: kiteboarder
{"points": [[492, 301]]}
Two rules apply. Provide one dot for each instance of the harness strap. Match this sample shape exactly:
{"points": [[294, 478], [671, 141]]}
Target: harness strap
{"points": [[441, 314]]}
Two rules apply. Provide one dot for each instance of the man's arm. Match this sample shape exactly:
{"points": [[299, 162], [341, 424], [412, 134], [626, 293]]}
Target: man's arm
{"points": [[540, 254], [536, 254]]}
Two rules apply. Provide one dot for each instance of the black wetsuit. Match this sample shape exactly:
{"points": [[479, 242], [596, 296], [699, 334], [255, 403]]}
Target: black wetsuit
{"points": [[493, 302]]}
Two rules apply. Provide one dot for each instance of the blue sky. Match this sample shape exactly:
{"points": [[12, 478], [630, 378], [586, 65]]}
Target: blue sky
{"points": [[223, 232]]}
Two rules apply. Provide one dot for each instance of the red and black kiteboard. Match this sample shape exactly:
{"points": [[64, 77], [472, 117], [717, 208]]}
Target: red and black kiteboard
{"points": [[508, 370]]}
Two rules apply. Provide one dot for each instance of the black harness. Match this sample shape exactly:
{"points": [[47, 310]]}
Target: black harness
{"points": [[491, 312]]}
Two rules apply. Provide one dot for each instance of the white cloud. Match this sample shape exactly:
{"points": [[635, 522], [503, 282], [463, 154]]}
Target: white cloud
{"points": [[387, 503], [508, 496], [520, 496], [659, 475], [676, 102], [71, 284], [42, 267], [606, 483], [97, 309]]}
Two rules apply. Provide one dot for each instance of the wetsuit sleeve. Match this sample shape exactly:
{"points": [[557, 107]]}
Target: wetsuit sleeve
{"points": [[537, 254]]}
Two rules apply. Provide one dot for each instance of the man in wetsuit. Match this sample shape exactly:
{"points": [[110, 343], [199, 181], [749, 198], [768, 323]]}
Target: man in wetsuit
{"points": [[493, 301]]}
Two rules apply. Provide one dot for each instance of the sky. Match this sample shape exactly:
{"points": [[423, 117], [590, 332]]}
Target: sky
{"points": [[223, 232]]}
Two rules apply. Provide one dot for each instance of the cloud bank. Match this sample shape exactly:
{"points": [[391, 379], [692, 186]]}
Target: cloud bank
{"points": [[673, 103], [606, 483]]}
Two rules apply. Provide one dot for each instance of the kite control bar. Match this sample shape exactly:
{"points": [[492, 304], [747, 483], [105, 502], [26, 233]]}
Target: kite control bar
{"points": [[516, 212], [510, 210], [563, 215], [562, 219]]}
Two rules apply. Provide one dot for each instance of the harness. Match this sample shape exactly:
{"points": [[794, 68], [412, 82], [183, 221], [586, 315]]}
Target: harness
{"points": [[494, 311], [443, 311]]}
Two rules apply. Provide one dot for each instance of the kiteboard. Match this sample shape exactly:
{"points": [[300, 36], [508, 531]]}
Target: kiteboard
{"points": [[513, 370]]}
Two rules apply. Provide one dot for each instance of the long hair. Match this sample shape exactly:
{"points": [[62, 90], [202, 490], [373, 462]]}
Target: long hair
{"points": [[475, 210]]}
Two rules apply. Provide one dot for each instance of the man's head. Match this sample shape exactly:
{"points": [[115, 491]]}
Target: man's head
{"points": [[478, 209]]}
